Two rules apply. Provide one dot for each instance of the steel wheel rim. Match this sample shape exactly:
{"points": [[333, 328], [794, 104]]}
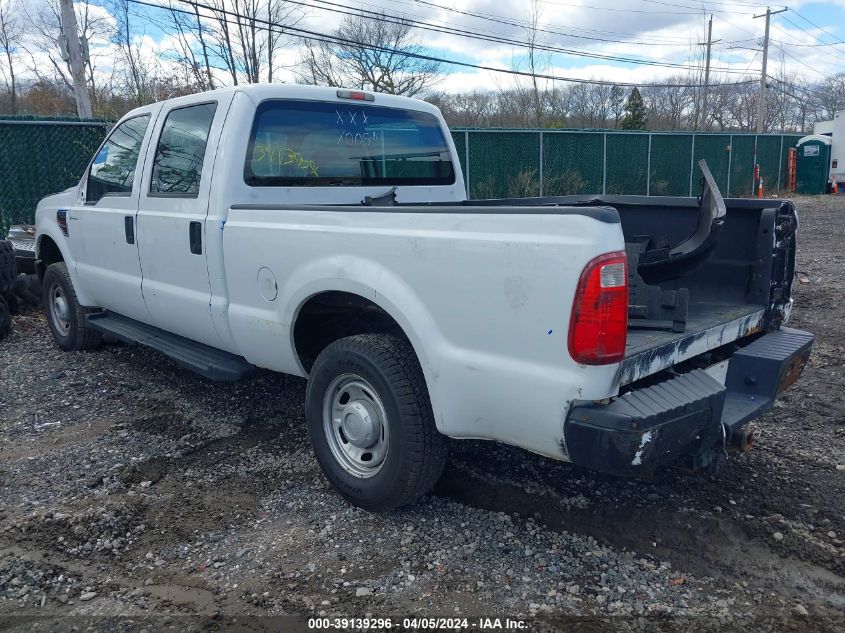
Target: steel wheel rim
{"points": [[59, 308], [355, 425]]}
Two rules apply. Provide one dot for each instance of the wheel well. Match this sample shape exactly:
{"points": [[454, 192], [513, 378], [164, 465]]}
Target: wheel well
{"points": [[330, 316], [48, 253]]}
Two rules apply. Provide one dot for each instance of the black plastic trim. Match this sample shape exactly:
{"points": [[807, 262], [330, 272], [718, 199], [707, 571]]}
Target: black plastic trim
{"points": [[648, 427], [602, 214], [206, 361], [692, 415]]}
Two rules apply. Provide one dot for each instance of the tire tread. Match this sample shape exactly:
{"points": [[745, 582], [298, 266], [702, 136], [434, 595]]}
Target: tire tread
{"points": [[82, 336], [425, 447]]}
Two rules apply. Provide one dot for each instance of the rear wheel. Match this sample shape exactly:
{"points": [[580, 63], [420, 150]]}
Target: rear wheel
{"points": [[66, 318], [371, 424]]}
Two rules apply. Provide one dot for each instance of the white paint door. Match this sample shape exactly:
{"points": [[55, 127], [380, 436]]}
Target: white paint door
{"points": [[172, 231], [102, 227]]}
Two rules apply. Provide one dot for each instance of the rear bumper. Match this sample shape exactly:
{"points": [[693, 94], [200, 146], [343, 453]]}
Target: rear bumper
{"points": [[692, 417]]}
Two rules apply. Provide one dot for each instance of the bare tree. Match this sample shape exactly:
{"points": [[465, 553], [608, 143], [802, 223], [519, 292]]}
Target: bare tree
{"points": [[536, 63], [376, 53], [671, 107], [281, 14], [10, 36], [43, 26], [465, 109], [830, 96], [138, 71], [246, 35], [192, 49]]}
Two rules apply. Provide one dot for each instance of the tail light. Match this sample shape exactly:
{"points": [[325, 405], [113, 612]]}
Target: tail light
{"points": [[598, 328]]}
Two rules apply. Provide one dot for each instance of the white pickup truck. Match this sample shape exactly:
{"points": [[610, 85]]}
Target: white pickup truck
{"points": [[326, 233]]}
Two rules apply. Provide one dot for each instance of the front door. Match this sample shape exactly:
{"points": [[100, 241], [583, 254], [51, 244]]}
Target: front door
{"points": [[101, 229], [172, 236]]}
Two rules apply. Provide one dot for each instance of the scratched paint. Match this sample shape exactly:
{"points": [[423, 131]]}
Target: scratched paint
{"points": [[651, 361], [638, 457], [516, 292]]}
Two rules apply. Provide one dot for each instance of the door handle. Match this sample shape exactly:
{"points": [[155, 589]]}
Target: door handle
{"points": [[129, 228], [195, 237]]}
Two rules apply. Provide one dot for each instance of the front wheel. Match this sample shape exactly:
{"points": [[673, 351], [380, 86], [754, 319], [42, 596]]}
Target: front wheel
{"points": [[370, 422], [66, 318]]}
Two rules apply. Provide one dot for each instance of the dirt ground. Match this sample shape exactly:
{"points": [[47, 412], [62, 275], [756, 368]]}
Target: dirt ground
{"points": [[137, 496]]}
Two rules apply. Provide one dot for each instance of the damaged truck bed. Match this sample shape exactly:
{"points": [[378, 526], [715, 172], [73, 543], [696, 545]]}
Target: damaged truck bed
{"points": [[702, 272], [709, 286]]}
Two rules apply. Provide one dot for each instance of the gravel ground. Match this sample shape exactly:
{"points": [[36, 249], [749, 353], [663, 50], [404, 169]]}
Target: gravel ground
{"points": [[133, 488]]}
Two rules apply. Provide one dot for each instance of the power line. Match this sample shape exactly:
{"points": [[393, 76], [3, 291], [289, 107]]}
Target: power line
{"points": [[813, 24], [831, 53], [317, 36], [491, 17], [821, 44], [523, 25], [380, 16], [697, 12]]}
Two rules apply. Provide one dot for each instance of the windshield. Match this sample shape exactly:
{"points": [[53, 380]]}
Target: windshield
{"points": [[315, 143]]}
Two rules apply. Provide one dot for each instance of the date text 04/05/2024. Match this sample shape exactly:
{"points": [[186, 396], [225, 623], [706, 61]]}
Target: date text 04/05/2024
{"points": [[417, 623]]}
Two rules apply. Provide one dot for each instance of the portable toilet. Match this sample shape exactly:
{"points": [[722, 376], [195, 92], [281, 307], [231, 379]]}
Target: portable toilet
{"points": [[813, 168]]}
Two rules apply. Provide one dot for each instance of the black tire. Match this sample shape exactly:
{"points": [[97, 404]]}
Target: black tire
{"points": [[72, 333], [416, 451], [5, 319], [28, 291], [8, 266], [13, 302]]}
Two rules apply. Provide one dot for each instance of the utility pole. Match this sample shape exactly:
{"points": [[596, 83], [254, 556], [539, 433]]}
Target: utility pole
{"points": [[77, 68], [710, 43], [761, 99]]}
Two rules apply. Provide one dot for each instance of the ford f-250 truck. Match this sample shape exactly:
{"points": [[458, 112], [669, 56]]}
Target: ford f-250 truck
{"points": [[326, 233]]}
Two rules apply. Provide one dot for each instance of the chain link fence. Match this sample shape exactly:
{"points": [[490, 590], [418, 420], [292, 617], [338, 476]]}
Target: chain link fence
{"points": [[518, 163], [39, 157]]}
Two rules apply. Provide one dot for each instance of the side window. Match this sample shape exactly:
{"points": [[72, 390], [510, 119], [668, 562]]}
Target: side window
{"points": [[177, 167], [113, 169]]}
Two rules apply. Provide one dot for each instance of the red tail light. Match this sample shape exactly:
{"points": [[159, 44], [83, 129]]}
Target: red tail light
{"points": [[598, 328]]}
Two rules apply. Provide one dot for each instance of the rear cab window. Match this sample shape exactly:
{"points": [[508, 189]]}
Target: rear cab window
{"points": [[180, 153], [317, 143]]}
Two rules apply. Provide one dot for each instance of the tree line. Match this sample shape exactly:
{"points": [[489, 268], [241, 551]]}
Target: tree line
{"points": [[216, 43]]}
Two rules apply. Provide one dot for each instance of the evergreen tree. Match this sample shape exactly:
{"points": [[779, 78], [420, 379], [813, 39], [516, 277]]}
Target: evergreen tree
{"points": [[636, 115]]}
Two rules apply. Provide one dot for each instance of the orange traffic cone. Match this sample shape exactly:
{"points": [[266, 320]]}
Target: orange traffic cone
{"points": [[834, 187], [760, 189]]}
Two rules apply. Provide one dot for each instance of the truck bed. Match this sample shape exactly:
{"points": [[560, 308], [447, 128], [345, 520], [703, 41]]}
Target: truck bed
{"points": [[737, 281], [711, 324]]}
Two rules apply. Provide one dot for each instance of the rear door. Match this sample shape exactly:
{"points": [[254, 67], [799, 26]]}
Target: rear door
{"points": [[172, 232], [102, 228]]}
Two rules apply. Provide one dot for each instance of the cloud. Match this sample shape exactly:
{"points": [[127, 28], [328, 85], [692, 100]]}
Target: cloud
{"points": [[662, 33]]}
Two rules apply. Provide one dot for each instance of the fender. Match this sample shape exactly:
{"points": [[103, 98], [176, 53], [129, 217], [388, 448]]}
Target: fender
{"points": [[46, 228], [392, 294]]}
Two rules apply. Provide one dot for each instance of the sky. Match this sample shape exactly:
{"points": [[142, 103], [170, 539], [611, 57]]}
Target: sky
{"points": [[807, 40]]}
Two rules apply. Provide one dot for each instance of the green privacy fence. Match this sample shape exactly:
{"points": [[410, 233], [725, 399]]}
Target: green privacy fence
{"points": [[517, 163], [40, 157]]}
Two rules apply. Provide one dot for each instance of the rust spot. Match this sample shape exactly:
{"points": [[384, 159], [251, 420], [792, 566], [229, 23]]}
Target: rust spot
{"points": [[793, 371]]}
